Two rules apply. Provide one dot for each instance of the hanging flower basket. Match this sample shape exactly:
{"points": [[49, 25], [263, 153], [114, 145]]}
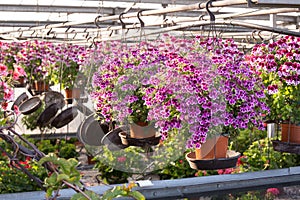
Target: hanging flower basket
{"points": [[290, 133], [211, 164], [290, 139], [140, 142], [213, 154], [286, 147]]}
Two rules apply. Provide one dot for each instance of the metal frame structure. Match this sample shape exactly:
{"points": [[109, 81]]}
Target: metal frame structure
{"points": [[85, 21], [194, 187]]}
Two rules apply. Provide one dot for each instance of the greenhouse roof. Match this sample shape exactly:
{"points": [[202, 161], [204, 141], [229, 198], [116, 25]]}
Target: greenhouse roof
{"points": [[87, 21]]}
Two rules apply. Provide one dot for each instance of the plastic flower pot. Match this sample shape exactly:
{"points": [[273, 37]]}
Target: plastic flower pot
{"points": [[72, 93], [141, 130], [290, 133], [40, 86], [215, 147]]}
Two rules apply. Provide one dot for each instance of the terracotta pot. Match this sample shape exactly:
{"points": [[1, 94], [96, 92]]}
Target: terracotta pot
{"points": [[21, 82], [290, 133], [142, 130], [72, 93], [215, 147], [40, 86]]}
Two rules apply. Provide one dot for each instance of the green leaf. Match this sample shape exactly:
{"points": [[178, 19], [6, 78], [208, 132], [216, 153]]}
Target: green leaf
{"points": [[52, 180], [62, 177], [92, 195], [49, 192], [137, 195]]}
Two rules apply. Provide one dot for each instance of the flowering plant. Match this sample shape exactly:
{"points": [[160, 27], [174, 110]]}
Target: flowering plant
{"points": [[68, 60], [37, 58], [278, 64], [177, 84], [6, 94], [7, 57]]}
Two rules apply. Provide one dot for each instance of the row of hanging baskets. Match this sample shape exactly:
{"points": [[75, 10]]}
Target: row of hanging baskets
{"points": [[45, 110]]}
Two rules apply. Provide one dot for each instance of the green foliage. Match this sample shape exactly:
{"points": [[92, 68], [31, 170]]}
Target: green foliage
{"points": [[63, 148], [66, 75], [123, 191], [66, 172], [244, 139], [109, 175], [67, 150], [30, 121], [177, 169], [46, 146], [261, 156], [13, 180]]}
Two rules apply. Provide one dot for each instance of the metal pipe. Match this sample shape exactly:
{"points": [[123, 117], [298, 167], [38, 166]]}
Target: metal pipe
{"points": [[193, 19], [134, 14], [205, 23]]}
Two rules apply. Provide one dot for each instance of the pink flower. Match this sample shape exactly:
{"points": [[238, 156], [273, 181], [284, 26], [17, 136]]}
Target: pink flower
{"points": [[273, 191], [16, 75], [20, 71], [8, 94], [16, 109], [121, 159]]}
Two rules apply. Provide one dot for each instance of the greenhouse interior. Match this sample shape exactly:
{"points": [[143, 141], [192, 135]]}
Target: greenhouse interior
{"points": [[90, 108]]}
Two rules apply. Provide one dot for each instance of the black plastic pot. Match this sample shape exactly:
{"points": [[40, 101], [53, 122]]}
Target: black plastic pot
{"points": [[47, 115], [92, 131], [113, 141], [30, 105], [212, 164], [65, 117], [54, 97], [20, 99]]}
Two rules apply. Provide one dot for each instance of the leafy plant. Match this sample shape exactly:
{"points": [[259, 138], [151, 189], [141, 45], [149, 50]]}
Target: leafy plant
{"points": [[67, 174], [261, 156], [12, 179], [66, 150], [66, 74], [30, 120], [123, 191], [66, 171]]}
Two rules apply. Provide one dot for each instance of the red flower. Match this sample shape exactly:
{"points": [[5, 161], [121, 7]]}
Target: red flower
{"points": [[4, 105]]}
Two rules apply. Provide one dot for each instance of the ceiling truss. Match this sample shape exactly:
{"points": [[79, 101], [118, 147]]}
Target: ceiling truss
{"points": [[89, 21]]}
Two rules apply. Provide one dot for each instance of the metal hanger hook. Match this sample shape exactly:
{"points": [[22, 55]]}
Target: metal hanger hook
{"points": [[96, 21], [122, 22], [211, 15], [139, 17]]}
